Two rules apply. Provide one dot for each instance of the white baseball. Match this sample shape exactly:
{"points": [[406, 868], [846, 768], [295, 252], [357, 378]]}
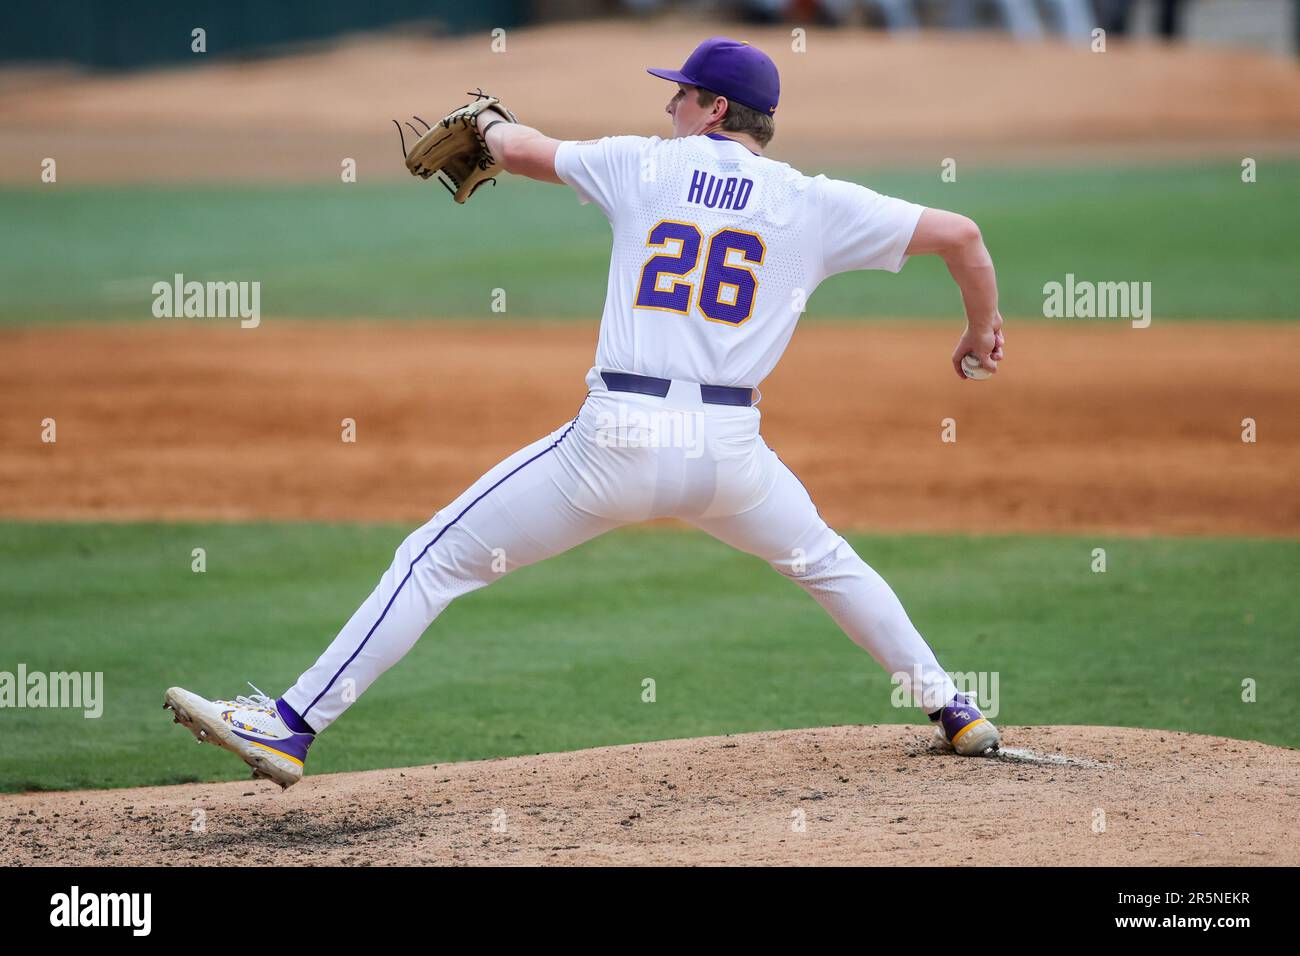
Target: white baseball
{"points": [[970, 365]]}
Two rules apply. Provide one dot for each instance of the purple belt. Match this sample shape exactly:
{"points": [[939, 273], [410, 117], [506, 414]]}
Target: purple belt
{"points": [[658, 387]]}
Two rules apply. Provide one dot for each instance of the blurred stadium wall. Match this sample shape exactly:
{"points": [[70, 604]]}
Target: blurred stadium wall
{"points": [[120, 34]]}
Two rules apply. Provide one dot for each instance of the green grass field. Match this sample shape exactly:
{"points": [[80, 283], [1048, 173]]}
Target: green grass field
{"points": [[553, 657], [1212, 246]]}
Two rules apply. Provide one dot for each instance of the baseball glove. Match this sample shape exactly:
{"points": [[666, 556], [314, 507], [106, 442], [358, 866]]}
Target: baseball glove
{"points": [[454, 149]]}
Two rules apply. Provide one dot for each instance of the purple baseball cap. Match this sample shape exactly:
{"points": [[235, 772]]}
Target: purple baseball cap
{"points": [[730, 68]]}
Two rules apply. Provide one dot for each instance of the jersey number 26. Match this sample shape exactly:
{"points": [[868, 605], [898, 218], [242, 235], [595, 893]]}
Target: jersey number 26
{"points": [[725, 290]]}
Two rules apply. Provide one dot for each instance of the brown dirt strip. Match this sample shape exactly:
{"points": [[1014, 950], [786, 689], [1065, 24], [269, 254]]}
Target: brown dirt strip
{"points": [[853, 98], [211, 422], [873, 796]]}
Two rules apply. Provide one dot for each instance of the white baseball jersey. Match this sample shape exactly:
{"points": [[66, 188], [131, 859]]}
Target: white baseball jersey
{"points": [[716, 250]]}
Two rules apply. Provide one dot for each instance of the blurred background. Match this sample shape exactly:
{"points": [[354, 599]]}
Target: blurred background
{"points": [[232, 95], [116, 35]]}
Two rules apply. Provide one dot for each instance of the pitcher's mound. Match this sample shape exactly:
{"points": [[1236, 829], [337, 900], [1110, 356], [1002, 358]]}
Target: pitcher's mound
{"points": [[841, 795]]}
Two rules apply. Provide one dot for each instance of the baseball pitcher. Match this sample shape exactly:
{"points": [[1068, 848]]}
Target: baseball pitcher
{"points": [[715, 250]]}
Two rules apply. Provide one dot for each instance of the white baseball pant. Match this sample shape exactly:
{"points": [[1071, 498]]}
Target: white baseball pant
{"points": [[625, 458]]}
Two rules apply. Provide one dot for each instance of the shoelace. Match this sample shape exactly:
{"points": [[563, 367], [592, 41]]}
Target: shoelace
{"points": [[257, 700]]}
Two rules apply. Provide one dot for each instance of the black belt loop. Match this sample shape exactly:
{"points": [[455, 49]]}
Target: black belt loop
{"points": [[658, 387]]}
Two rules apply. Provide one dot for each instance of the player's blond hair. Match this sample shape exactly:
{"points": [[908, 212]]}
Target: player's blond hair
{"points": [[741, 118]]}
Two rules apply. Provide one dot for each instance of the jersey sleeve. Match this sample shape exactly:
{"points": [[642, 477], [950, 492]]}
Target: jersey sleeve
{"points": [[862, 229], [602, 170]]}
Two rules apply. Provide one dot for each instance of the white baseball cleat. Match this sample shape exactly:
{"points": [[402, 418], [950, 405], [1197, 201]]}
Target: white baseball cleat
{"points": [[961, 727], [248, 726]]}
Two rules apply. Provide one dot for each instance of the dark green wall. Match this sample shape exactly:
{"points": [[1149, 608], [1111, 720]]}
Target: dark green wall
{"points": [[120, 34]]}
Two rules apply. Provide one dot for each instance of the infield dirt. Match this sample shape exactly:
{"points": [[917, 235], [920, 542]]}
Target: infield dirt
{"points": [[840, 795], [1098, 428]]}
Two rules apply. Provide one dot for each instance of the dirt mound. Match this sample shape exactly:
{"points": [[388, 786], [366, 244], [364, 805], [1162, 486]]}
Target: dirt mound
{"points": [[840, 795], [923, 98], [194, 421]]}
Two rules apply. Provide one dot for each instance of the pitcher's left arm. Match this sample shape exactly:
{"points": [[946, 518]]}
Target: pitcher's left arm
{"points": [[521, 149]]}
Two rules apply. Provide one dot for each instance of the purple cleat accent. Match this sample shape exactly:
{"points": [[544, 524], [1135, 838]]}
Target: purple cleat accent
{"points": [[964, 729], [294, 746]]}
